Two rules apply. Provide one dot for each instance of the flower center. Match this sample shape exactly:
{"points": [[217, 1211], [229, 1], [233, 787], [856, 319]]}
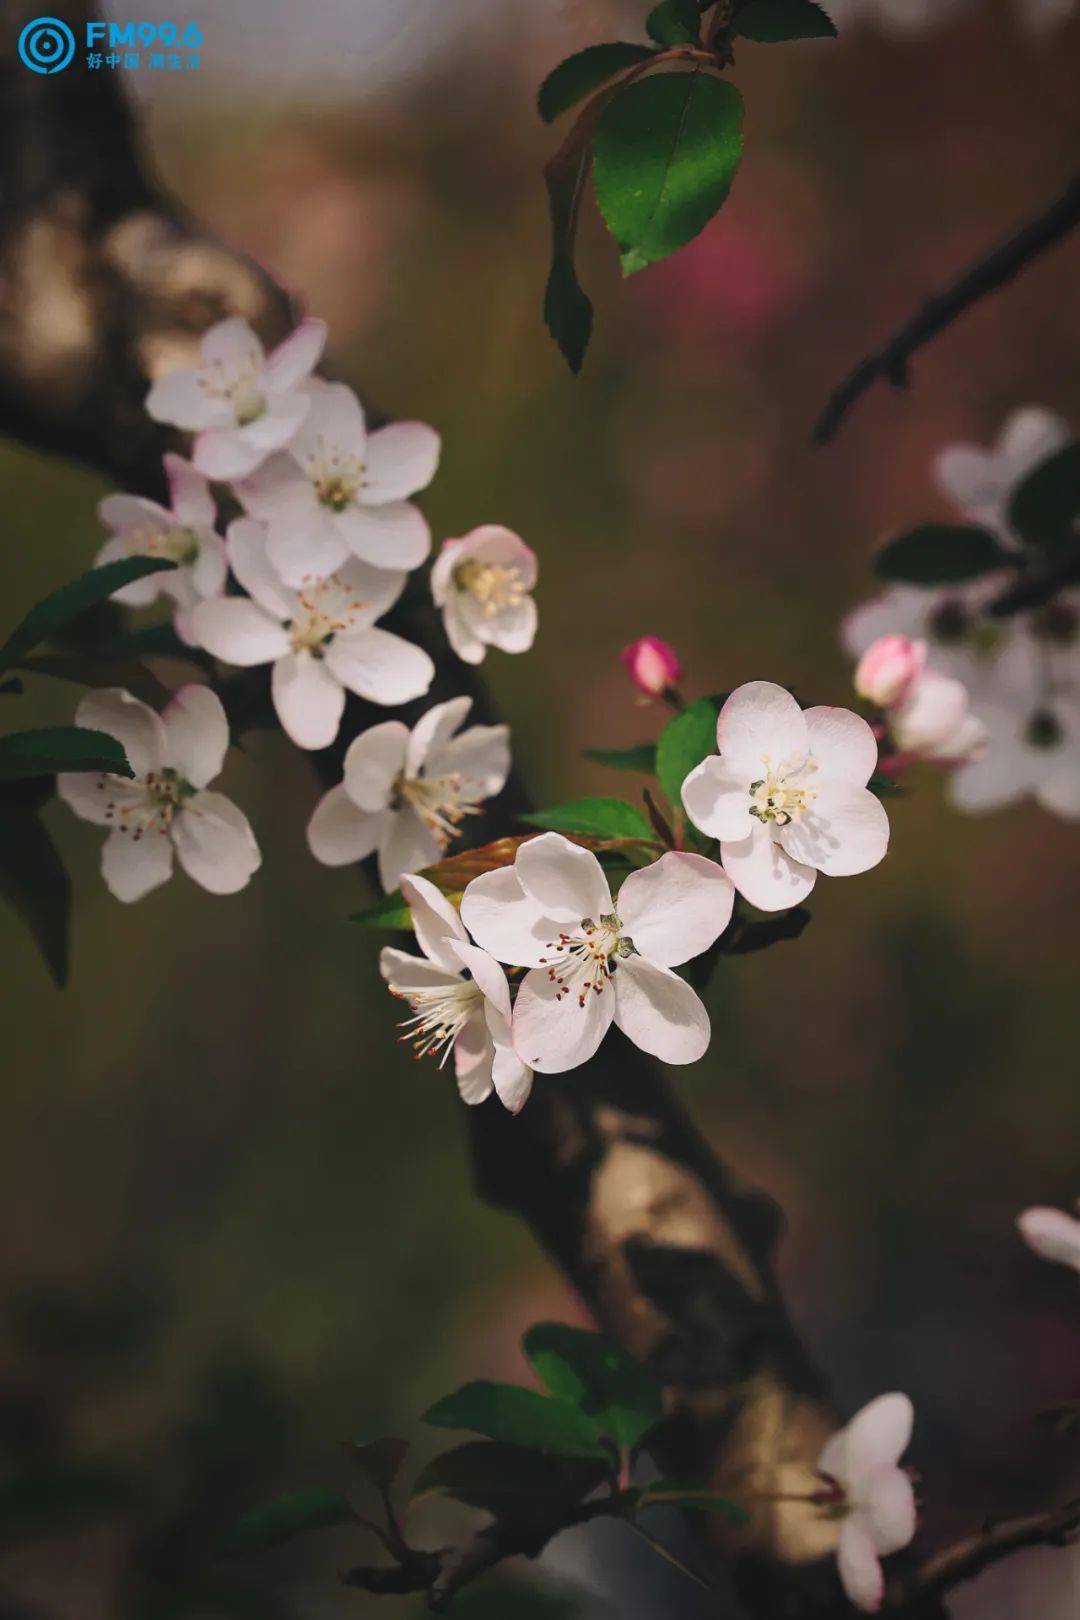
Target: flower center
{"points": [[440, 1013], [337, 475], [248, 404], [582, 961], [1043, 730], [324, 609], [781, 795], [175, 545], [162, 794], [441, 802], [492, 586]]}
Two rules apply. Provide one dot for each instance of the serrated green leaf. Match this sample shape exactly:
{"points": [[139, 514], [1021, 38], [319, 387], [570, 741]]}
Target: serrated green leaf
{"points": [[1045, 508], [293, 1515], [665, 154], [769, 22], [585, 72], [940, 554], [513, 1483], [70, 600], [674, 22], [609, 1385], [640, 758], [684, 743], [35, 884], [595, 818], [523, 1417], [379, 1460], [60, 748], [690, 1494]]}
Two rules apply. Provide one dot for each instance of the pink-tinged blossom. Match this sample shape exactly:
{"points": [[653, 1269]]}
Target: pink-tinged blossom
{"points": [[482, 584], [322, 641], [594, 960], [459, 1000], [981, 482], [339, 491], [406, 793], [786, 796], [241, 402], [874, 1495], [887, 668], [182, 533], [653, 665], [1052, 1234], [165, 809]]}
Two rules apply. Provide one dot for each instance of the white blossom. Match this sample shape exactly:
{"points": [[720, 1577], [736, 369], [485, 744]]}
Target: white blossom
{"points": [[913, 17], [340, 491], [242, 403], [182, 533], [482, 584], [459, 1001], [981, 482], [875, 1498], [933, 720], [321, 640], [1031, 751], [405, 793], [787, 795], [166, 808], [594, 960], [1052, 1234]]}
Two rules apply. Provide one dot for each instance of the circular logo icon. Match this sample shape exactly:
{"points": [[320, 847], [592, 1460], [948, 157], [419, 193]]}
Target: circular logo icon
{"points": [[46, 45]]}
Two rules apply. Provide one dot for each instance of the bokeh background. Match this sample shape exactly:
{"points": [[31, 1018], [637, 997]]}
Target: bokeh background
{"points": [[237, 1222]]}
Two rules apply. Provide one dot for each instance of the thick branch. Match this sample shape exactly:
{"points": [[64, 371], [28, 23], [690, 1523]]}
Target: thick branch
{"points": [[961, 1562], [985, 276]]}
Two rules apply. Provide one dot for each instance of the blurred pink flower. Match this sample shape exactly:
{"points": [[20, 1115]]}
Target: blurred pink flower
{"points": [[653, 665], [887, 668]]}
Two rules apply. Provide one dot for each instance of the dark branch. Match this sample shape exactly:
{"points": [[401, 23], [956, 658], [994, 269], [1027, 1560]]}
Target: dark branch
{"points": [[993, 270], [961, 1562]]}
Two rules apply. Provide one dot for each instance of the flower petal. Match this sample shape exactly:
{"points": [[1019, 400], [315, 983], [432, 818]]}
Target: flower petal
{"points": [[404, 971], [296, 357], [401, 459], [660, 1012], [210, 569], [196, 734], [308, 700], [246, 547], [877, 1436], [406, 846], [551, 1034], [480, 756], [279, 490], [485, 970], [306, 551], [1052, 1234], [373, 762], [179, 399], [133, 866], [761, 720], [335, 421], [391, 536], [842, 744], [339, 833], [380, 666], [192, 502], [141, 592], [101, 800], [887, 1509], [505, 921], [716, 797], [215, 844], [439, 929], [134, 725], [491, 543], [676, 908], [237, 630], [764, 873], [474, 1053], [433, 730], [462, 638], [860, 1570], [511, 1077], [232, 343], [562, 879], [514, 629], [845, 830]]}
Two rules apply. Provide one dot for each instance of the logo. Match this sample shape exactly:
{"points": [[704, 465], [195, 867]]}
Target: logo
{"points": [[47, 45]]}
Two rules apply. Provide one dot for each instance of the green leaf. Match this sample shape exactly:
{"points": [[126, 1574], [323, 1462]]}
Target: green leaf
{"points": [[86, 670], [514, 1483], [771, 21], [885, 787], [69, 601], [293, 1515], [684, 743], [640, 758], [674, 22], [521, 1416], [1045, 509], [596, 818], [593, 1373], [585, 72], [60, 748], [690, 1494], [665, 154], [379, 1460], [940, 554], [389, 912], [34, 883], [568, 311]]}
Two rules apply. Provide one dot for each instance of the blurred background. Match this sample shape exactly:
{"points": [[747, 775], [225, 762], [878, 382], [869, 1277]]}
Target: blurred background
{"points": [[238, 1226]]}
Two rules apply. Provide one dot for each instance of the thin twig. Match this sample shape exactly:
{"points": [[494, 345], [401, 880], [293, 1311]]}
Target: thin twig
{"points": [[989, 272]]}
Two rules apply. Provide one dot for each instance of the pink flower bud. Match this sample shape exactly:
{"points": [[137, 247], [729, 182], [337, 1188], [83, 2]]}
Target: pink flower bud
{"points": [[887, 668], [653, 665]]}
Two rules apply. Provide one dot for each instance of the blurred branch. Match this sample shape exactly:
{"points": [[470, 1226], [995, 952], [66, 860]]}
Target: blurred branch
{"points": [[970, 1557], [989, 272]]}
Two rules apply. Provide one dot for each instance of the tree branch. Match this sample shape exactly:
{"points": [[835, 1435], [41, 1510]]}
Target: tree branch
{"points": [[989, 272], [965, 1559]]}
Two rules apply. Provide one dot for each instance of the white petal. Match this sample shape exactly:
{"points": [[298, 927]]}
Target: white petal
{"points": [[759, 721], [971, 477], [380, 666], [716, 797], [305, 551], [405, 971], [339, 833], [474, 1053], [676, 908], [887, 1509], [877, 1436], [236, 629], [553, 1035], [860, 1570], [433, 730], [660, 1012], [133, 866], [372, 591], [127, 513], [485, 971], [511, 1077], [480, 756], [998, 778], [514, 629], [1031, 435], [903, 610], [373, 762], [192, 502], [335, 421], [491, 543], [134, 725], [180, 399], [439, 929], [141, 592], [210, 569], [401, 459], [308, 700], [505, 921], [764, 873], [464, 641], [196, 734], [1052, 1234], [215, 844], [296, 358], [844, 831], [279, 489], [406, 846], [246, 547], [392, 536], [562, 879], [842, 744], [101, 800], [233, 344]]}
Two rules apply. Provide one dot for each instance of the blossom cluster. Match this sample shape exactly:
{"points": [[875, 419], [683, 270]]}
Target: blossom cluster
{"points": [[908, 17]]}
